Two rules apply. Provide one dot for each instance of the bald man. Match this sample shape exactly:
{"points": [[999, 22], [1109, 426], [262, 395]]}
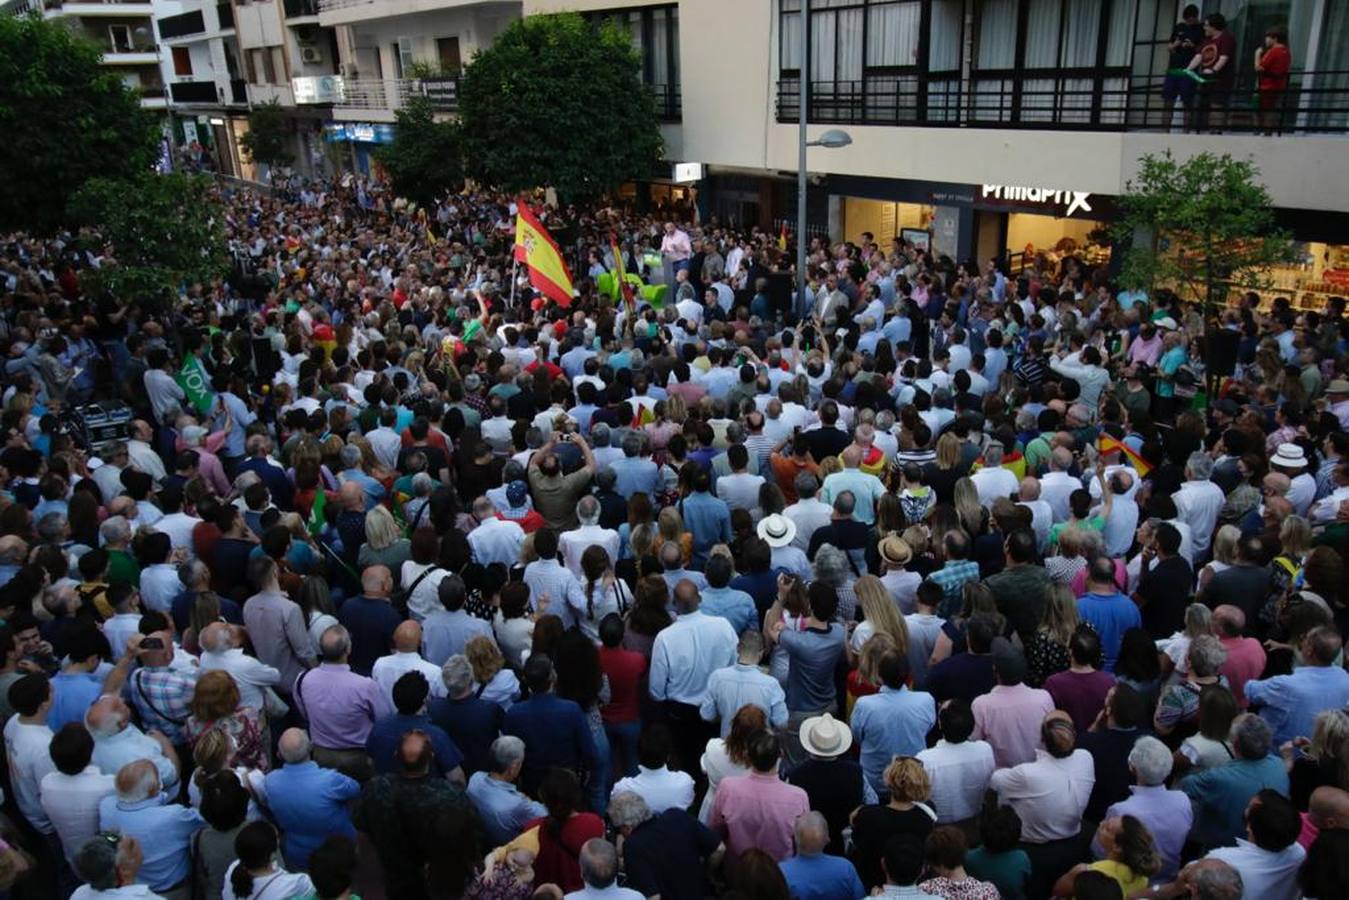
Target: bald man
{"points": [[309, 803], [866, 488], [1327, 810], [222, 648], [406, 657], [1245, 655], [371, 619], [812, 872], [164, 829], [1058, 484]]}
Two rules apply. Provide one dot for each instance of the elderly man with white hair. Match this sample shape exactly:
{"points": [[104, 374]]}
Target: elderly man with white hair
{"points": [[666, 854], [1199, 501], [110, 868], [164, 829], [222, 648], [495, 540], [195, 437], [599, 872], [575, 542], [992, 481], [501, 807], [1167, 814], [117, 741], [813, 874]]}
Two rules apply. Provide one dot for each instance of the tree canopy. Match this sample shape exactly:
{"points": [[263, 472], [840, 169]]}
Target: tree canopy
{"points": [[265, 141], [1198, 225], [65, 120], [425, 160], [166, 231], [557, 101]]}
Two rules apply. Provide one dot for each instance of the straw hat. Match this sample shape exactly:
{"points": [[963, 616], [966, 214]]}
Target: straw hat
{"points": [[777, 530], [825, 736], [895, 550]]}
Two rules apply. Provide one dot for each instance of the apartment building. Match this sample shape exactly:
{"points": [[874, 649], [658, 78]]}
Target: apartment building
{"points": [[990, 127], [124, 31]]}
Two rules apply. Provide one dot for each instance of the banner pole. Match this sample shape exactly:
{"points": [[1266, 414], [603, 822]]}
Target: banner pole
{"points": [[515, 265]]}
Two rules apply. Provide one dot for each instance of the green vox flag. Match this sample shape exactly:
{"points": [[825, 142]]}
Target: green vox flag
{"points": [[192, 379]]}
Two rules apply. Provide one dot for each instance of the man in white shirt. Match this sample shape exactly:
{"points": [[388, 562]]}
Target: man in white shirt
{"points": [[1051, 793], [165, 394], [809, 513], [740, 489], [176, 523], [661, 788], [549, 580], [221, 649], [126, 618], [406, 657], [1269, 858], [495, 539], [958, 767], [1199, 501], [992, 480], [384, 440], [1042, 514], [1057, 485], [27, 746], [574, 543], [683, 658], [141, 452], [744, 683], [70, 795]]}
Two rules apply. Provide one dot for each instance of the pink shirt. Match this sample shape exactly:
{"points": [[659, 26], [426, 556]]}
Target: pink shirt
{"points": [[1245, 662], [758, 811], [1009, 719]]}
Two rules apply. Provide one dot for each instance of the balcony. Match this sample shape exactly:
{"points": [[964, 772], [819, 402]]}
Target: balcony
{"points": [[52, 9], [129, 57], [194, 92], [344, 12], [1103, 100], [667, 101], [184, 25], [376, 94], [239, 92], [300, 9]]}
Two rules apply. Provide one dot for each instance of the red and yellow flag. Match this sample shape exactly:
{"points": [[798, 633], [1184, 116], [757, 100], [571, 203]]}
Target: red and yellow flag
{"points": [[1108, 444], [782, 237], [536, 249]]}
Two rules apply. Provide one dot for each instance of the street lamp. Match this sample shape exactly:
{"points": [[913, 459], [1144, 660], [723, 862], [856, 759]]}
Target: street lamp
{"points": [[831, 139]]}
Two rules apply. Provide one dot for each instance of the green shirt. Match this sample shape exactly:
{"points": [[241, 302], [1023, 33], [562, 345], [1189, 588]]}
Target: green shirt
{"points": [[1009, 871], [122, 568]]}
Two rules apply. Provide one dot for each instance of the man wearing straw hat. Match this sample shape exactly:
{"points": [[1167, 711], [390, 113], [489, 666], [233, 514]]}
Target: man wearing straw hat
{"points": [[834, 783], [779, 532]]}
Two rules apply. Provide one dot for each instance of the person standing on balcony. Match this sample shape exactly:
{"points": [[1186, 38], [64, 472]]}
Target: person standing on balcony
{"points": [[1180, 82], [1215, 61], [1272, 62]]}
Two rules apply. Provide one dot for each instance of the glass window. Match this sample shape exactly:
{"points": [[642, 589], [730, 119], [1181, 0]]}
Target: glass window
{"points": [[944, 35], [997, 34], [892, 33]]}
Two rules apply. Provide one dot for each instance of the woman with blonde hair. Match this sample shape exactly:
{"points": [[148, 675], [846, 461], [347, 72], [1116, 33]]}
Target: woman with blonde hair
{"points": [[889, 516], [370, 462], [497, 683], [922, 563], [1323, 760], [973, 515], [1131, 858], [215, 705], [906, 812], [670, 525], [1225, 542], [1198, 620], [865, 679], [1047, 652], [976, 599], [828, 466], [881, 616], [729, 756], [384, 543], [214, 752], [943, 473]]}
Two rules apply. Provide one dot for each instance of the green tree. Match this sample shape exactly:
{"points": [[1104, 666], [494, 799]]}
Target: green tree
{"points": [[1198, 226], [166, 232], [556, 101], [65, 120], [425, 160], [266, 140]]}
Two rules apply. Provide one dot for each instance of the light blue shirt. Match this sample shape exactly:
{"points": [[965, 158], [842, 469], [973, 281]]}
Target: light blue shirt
{"points": [[240, 418], [635, 474], [501, 806], [373, 490], [1291, 703], [730, 688], [897, 329], [129, 745], [164, 830], [550, 577], [866, 490], [686, 654], [309, 804], [734, 606], [894, 722], [446, 633], [708, 519]]}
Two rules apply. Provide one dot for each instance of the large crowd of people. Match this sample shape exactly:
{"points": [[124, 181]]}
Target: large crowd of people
{"points": [[963, 584]]}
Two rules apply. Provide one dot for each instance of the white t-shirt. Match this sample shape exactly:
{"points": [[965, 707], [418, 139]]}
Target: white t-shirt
{"points": [[276, 886]]}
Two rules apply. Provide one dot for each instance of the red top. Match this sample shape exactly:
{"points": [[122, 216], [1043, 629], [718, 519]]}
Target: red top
{"points": [[1274, 66], [625, 669], [557, 861]]}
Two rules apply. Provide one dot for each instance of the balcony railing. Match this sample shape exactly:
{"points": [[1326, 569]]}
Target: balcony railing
{"points": [[1104, 100], [225, 13], [332, 5], [667, 101], [182, 25], [194, 92], [298, 9], [394, 93]]}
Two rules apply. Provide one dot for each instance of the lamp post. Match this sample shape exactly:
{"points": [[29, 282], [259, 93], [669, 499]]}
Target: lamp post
{"points": [[832, 139]]}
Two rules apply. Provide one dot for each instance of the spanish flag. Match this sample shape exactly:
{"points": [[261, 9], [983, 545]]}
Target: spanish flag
{"points": [[782, 236], [1108, 444], [536, 249]]}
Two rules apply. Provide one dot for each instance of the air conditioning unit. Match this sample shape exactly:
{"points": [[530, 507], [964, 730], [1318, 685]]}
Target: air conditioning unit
{"points": [[311, 55]]}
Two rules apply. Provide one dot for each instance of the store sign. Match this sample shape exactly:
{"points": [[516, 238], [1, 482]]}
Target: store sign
{"points": [[321, 89], [1075, 200], [442, 92], [358, 133], [684, 173]]}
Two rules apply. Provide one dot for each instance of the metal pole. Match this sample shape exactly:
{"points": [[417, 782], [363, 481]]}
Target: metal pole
{"points": [[804, 60]]}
